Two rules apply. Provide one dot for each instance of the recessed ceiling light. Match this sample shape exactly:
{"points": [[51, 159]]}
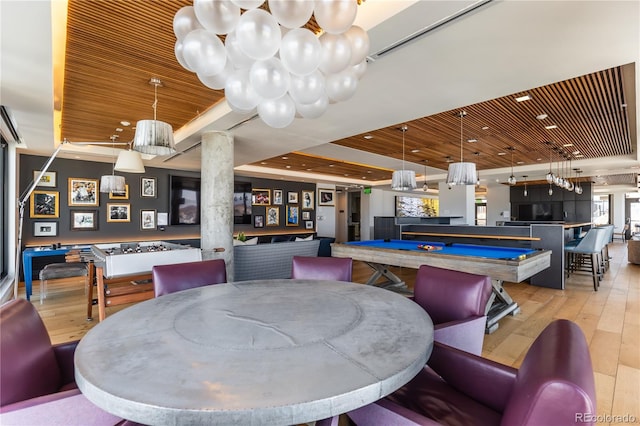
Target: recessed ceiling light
{"points": [[118, 129], [567, 144], [576, 152], [502, 153], [288, 167], [449, 160], [415, 150], [485, 128], [553, 126], [541, 116], [285, 158], [309, 170], [368, 137], [538, 159], [523, 98], [579, 156], [346, 174], [263, 162], [125, 123], [369, 171], [519, 162], [331, 165], [364, 177], [472, 140]]}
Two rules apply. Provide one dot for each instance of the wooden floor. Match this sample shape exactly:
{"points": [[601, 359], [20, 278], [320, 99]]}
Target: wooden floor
{"points": [[610, 319]]}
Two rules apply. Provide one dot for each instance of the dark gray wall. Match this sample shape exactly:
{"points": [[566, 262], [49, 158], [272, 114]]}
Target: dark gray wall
{"points": [[113, 231], [130, 231]]}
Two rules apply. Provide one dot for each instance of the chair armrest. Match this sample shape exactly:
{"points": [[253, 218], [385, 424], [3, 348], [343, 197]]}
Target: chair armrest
{"points": [[465, 334], [39, 400], [384, 413], [64, 355], [481, 379]]}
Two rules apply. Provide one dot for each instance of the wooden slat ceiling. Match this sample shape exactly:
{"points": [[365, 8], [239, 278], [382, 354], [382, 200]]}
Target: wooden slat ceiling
{"points": [[589, 113], [111, 57]]}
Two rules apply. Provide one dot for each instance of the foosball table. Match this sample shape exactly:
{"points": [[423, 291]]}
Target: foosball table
{"points": [[122, 271]]}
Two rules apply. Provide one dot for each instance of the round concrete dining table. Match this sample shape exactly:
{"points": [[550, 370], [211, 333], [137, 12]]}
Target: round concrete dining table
{"points": [[273, 352]]}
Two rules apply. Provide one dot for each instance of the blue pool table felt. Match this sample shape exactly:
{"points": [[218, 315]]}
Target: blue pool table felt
{"points": [[490, 252]]}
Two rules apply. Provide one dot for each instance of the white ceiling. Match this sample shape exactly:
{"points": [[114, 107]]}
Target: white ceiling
{"points": [[501, 48]]}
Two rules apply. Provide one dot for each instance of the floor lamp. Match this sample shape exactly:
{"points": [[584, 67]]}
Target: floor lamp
{"points": [[24, 197]]}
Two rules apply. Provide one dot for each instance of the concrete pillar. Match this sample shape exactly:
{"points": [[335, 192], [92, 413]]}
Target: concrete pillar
{"points": [[216, 205]]}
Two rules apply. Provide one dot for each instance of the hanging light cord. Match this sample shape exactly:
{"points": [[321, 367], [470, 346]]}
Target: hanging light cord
{"points": [[404, 129], [462, 114]]}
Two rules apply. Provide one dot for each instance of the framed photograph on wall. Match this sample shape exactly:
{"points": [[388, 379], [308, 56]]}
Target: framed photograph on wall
{"points": [[308, 224], [306, 215], [260, 197], [277, 197], [84, 220], [326, 197], [83, 192], [45, 229], [293, 215], [307, 200], [148, 187], [118, 212], [292, 197], [273, 216], [124, 195], [48, 179], [258, 221], [147, 220], [45, 204]]}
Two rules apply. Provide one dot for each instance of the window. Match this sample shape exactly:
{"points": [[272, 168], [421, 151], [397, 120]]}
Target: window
{"points": [[4, 209]]}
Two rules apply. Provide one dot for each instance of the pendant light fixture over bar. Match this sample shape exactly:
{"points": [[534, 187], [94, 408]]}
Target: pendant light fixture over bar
{"points": [[425, 187], [112, 183], [152, 136], [403, 180], [462, 173], [512, 179], [525, 193]]}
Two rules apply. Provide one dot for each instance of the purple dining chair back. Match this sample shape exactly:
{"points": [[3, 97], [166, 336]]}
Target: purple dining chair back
{"points": [[457, 303], [182, 276], [322, 268], [31, 366]]}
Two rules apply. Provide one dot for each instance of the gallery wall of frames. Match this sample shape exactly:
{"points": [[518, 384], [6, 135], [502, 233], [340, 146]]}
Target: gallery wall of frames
{"points": [[66, 206]]}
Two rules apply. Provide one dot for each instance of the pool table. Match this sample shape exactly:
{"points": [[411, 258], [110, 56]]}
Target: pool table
{"points": [[500, 263]]}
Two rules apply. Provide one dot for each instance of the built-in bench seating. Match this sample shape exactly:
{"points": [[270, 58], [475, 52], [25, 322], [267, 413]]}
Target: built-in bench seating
{"points": [[269, 261]]}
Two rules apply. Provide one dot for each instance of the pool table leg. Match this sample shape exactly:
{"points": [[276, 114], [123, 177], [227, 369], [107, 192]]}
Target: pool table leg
{"points": [[500, 305], [383, 271]]}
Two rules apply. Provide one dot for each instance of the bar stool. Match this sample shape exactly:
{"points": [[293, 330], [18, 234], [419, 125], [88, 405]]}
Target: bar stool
{"points": [[590, 249], [61, 270]]}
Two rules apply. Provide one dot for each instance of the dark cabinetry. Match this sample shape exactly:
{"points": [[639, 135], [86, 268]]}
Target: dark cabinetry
{"points": [[561, 205]]}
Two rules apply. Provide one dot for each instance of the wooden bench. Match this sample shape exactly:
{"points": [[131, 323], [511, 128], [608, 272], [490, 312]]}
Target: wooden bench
{"points": [[116, 291]]}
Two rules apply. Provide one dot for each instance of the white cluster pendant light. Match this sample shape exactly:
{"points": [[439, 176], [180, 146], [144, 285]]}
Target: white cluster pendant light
{"points": [[403, 180], [269, 62], [462, 173]]}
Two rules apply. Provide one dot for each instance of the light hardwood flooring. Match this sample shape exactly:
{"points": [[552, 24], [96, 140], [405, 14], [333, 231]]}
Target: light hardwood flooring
{"points": [[609, 318]]}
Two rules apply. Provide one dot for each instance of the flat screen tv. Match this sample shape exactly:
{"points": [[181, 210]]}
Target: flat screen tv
{"points": [[416, 206], [541, 212], [242, 203], [184, 200]]}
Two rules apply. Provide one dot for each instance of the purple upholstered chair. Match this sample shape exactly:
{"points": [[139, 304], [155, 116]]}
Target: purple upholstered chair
{"points": [[181, 276], [554, 386], [457, 304], [33, 371], [322, 268]]}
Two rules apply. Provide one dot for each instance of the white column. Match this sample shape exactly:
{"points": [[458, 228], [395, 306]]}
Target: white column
{"points": [[216, 209], [458, 201]]}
